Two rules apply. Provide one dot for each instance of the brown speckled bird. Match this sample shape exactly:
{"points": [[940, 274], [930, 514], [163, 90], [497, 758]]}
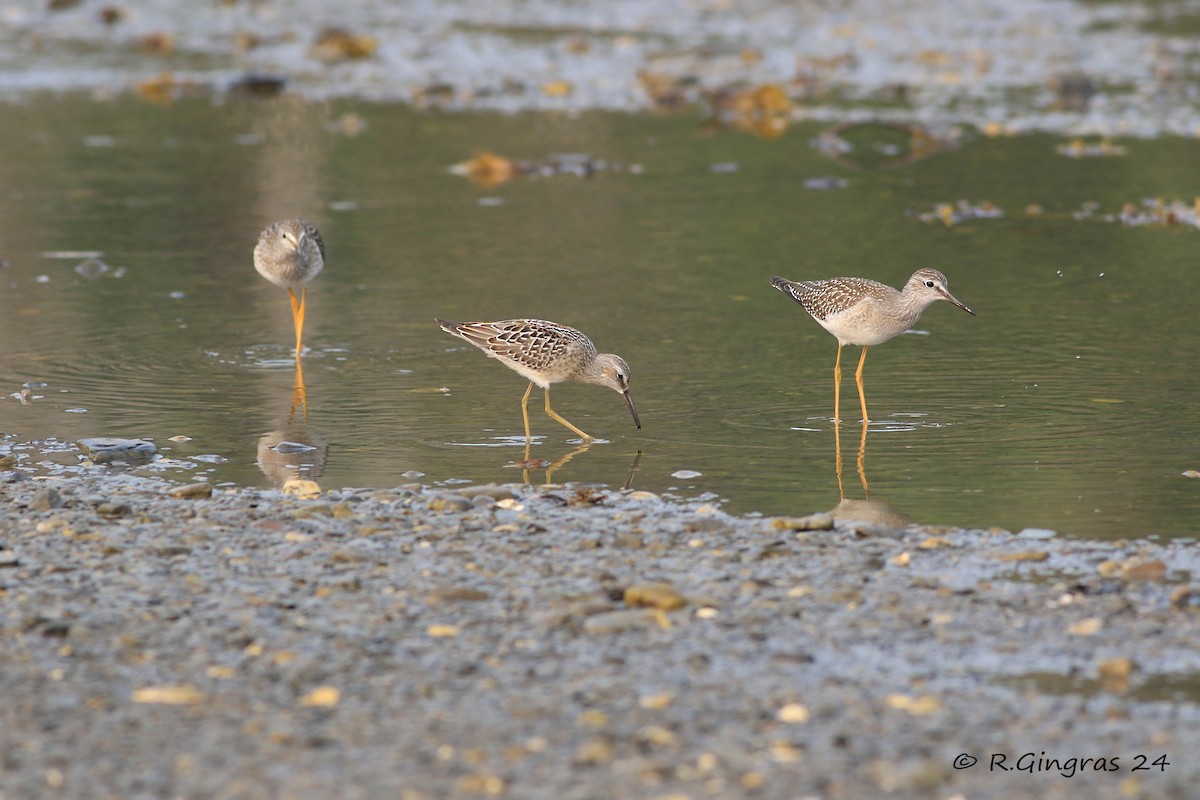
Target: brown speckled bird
{"points": [[289, 254], [865, 312], [545, 353]]}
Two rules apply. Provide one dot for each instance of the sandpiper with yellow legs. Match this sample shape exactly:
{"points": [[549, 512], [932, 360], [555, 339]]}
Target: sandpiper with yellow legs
{"points": [[289, 254], [866, 313], [545, 353]]}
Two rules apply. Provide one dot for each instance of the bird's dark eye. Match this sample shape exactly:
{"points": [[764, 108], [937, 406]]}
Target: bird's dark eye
{"points": [[929, 284]]}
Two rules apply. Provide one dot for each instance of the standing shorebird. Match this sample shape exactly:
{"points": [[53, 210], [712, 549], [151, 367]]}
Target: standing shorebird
{"points": [[289, 254], [545, 353], [864, 312]]}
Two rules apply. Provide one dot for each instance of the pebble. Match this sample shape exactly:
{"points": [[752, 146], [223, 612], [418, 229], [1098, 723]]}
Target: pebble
{"points": [[1144, 571], [45, 499], [1024, 555], [107, 449], [638, 619], [192, 491], [813, 522], [492, 490], [302, 488], [1037, 533], [654, 595], [448, 503]]}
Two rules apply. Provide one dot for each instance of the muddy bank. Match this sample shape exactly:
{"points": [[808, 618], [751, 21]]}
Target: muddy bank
{"points": [[561, 642]]}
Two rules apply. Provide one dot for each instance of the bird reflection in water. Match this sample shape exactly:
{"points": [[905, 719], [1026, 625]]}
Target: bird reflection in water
{"points": [[295, 451], [527, 464], [860, 461], [868, 510]]}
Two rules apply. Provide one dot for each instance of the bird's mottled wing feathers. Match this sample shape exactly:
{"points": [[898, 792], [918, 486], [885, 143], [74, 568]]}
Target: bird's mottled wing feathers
{"points": [[311, 231], [822, 298], [532, 343]]}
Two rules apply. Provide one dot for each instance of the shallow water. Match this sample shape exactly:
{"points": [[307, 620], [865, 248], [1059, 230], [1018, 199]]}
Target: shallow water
{"points": [[1068, 403]]}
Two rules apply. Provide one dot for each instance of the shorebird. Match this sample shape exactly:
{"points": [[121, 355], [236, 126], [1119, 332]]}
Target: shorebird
{"points": [[864, 312], [289, 254], [545, 353]]}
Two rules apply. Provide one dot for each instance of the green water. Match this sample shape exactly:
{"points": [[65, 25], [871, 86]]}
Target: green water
{"points": [[1067, 403]]}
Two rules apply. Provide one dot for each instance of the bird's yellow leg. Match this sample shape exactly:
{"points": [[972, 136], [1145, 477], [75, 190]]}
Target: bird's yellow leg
{"points": [[837, 385], [862, 398], [554, 415], [525, 416], [298, 315]]}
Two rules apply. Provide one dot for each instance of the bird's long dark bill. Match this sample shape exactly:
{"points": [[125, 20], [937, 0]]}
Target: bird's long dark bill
{"points": [[632, 410], [950, 299]]}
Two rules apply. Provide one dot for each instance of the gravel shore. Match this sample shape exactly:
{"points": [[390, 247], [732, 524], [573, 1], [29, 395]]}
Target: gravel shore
{"points": [[568, 642]]}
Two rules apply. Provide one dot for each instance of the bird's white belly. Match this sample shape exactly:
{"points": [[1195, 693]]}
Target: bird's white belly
{"points": [[859, 326]]}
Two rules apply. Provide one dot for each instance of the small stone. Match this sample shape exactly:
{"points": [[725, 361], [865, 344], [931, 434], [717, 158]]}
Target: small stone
{"points": [[8, 558], [107, 449], [935, 542], [900, 560], [448, 503], [453, 593], [1144, 571], [322, 697], [45, 499], [493, 490], [192, 491], [638, 619], [593, 751], [1114, 674], [1024, 555], [302, 489], [1180, 595], [168, 549], [442, 631], [342, 511], [657, 701], [656, 736], [793, 714], [654, 595], [113, 509], [1120, 667], [1037, 533], [813, 522], [168, 695], [310, 512], [1086, 627], [917, 706]]}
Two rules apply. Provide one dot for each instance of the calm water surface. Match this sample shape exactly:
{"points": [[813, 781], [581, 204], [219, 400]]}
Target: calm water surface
{"points": [[1068, 403]]}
